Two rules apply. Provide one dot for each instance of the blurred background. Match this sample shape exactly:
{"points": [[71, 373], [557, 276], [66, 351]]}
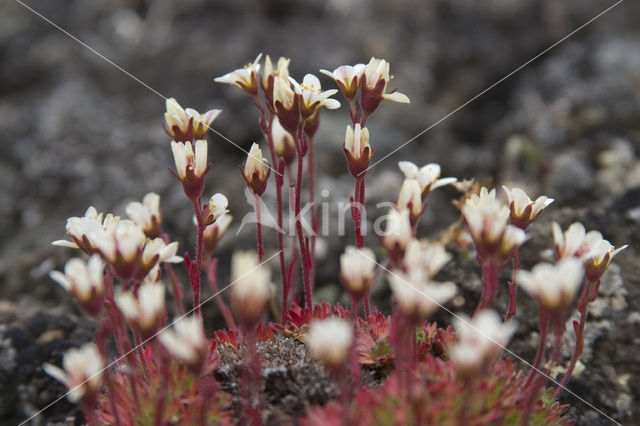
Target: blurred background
{"points": [[76, 131]]}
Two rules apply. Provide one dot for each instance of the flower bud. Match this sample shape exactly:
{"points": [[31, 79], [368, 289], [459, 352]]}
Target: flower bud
{"points": [[330, 341], [255, 170], [410, 198], [397, 234], [191, 167], [283, 141], [251, 287], [270, 74], [286, 104], [357, 268], [357, 150]]}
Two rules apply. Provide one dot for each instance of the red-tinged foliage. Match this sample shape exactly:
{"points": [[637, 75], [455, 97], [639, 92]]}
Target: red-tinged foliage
{"points": [[297, 319], [433, 394], [136, 391]]}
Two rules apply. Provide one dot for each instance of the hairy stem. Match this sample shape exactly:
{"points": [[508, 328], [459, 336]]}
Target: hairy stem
{"points": [[544, 328], [578, 328], [259, 231], [194, 273], [513, 286], [213, 285]]}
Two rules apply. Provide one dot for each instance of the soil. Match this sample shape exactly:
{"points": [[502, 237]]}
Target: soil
{"points": [[77, 131]]}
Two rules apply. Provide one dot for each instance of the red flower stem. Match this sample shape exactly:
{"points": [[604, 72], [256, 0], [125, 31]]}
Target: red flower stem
{"points": [[194, 273], [265, 125], [252, 381], [124, 347], [89, 414], [543, 320], [367, 308], [353, 112], [176, 289], [311, 170], [304, 247], [105, 328], [357, 212], [213, 285], [259, 230], [112, 396], [490, 272], [578, 328], [140, 353], [162, 396], [513, 286]]}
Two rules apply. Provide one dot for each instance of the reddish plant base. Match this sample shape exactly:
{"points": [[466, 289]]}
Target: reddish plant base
{"points": [[433, 392]]}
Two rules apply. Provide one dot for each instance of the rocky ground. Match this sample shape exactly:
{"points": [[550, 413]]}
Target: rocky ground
{"points": [[77, 131]]}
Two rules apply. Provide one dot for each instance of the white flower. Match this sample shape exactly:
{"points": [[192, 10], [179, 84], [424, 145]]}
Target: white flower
{"points": [[218, 205], [347, 78], [330, 340], [190, 164], [357, 268], [555, 286], [569, 243], [416, 295], [84, 281], [147, 214], [488, 223], [282, 69], [82, 228], [426, 256], [202, 122], [480, 339], [356, 143], [246, 78], [158, 251], [176, 119], [81, 373], [283, 94], [376, 77], [596, 254], [410, 198], [179, 125], [124, 242], [428, 176], [255, 170], [282, 141], [313, 97], [215, 231], [187, 343], [146, 312], [523, 209], [251, 286], [398, 231]]}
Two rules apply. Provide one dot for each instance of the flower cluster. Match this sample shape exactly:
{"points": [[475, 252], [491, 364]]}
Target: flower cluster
{"points": [[166, 371]]}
